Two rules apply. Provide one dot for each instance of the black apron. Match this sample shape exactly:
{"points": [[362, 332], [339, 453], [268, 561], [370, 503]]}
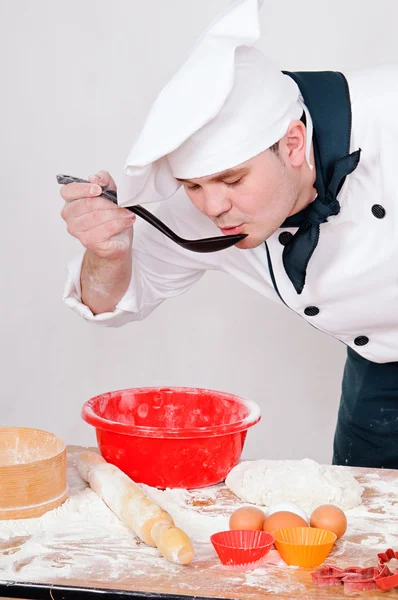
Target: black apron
{"points": [[367, 428]]}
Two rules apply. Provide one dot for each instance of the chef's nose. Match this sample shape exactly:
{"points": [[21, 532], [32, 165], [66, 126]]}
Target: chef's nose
{"points": [[215, 202]]}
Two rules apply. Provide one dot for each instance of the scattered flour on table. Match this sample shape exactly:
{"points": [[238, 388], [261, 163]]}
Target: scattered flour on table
{"points": [[83, 539], [369, 522], [260, 579], [79, 537], [304, 482]]}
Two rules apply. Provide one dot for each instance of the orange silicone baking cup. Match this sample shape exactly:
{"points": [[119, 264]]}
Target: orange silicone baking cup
{"points": [[241, 547], [304, 546]]}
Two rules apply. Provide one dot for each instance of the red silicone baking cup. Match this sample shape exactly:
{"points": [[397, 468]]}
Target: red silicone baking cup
{"points": [[238, 547]]}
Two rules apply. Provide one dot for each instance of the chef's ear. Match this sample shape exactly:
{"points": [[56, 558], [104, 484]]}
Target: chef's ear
{"points": [[292, 145]]}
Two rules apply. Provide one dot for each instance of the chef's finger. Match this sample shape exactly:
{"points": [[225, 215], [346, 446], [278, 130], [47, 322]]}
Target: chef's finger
{"points": [[103, 233], [74, 191], [104, 179], [82, 206], [97, 218]]}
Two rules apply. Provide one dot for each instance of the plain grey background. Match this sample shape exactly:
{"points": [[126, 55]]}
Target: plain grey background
{"points": [[77, 81]]}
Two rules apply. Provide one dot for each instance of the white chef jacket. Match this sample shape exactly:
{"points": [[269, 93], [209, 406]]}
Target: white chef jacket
{"points": [[352, 277]]}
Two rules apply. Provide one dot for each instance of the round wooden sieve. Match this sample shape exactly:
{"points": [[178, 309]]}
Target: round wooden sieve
{"points": [[32, 472]]}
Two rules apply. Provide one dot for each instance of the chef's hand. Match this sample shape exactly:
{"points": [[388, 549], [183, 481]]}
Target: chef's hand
{"points": [[105, 229]]}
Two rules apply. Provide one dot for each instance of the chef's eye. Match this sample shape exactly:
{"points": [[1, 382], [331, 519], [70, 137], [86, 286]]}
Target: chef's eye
{"points": [[193, 187], [232, 183]]}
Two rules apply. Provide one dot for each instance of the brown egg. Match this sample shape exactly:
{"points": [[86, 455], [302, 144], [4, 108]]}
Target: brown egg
{"points": [[282, 519], [247, 517], [331, 518]]}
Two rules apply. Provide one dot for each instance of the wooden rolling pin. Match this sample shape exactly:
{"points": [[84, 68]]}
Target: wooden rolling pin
{"points": [[148, 521]]}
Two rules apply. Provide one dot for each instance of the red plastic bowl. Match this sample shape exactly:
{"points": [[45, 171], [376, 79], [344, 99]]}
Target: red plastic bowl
{"points": [[171, 437]]}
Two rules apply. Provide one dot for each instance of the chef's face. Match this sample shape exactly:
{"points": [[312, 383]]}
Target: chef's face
{"points": [[258, 195]]}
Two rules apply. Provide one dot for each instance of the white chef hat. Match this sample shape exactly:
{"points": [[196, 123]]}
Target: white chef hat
{"points": [[225, 105]]}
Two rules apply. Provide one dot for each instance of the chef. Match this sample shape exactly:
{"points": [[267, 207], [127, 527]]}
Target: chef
{"points": [[304, 164]]}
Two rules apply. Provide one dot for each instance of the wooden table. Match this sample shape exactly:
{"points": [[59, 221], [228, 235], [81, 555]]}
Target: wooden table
{"points": [[142, 573]]}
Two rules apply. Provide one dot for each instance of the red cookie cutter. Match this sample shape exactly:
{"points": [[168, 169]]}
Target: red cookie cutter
{"points": [[360, 578], [388, 580]]}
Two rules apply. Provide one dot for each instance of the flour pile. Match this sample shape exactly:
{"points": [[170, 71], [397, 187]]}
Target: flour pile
{"points": [[304, 482]]}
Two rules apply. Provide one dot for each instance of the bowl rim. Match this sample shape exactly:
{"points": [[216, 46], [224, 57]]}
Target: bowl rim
{"points": [[270, 538], [40, 461], [90, 416], [325, 543]]}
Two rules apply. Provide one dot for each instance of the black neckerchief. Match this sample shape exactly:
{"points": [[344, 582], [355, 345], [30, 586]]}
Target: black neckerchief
{"points": [[326, 96]]}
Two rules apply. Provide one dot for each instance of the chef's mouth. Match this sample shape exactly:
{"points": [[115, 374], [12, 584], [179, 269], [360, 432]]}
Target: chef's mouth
{"points": [[231, 230]]}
